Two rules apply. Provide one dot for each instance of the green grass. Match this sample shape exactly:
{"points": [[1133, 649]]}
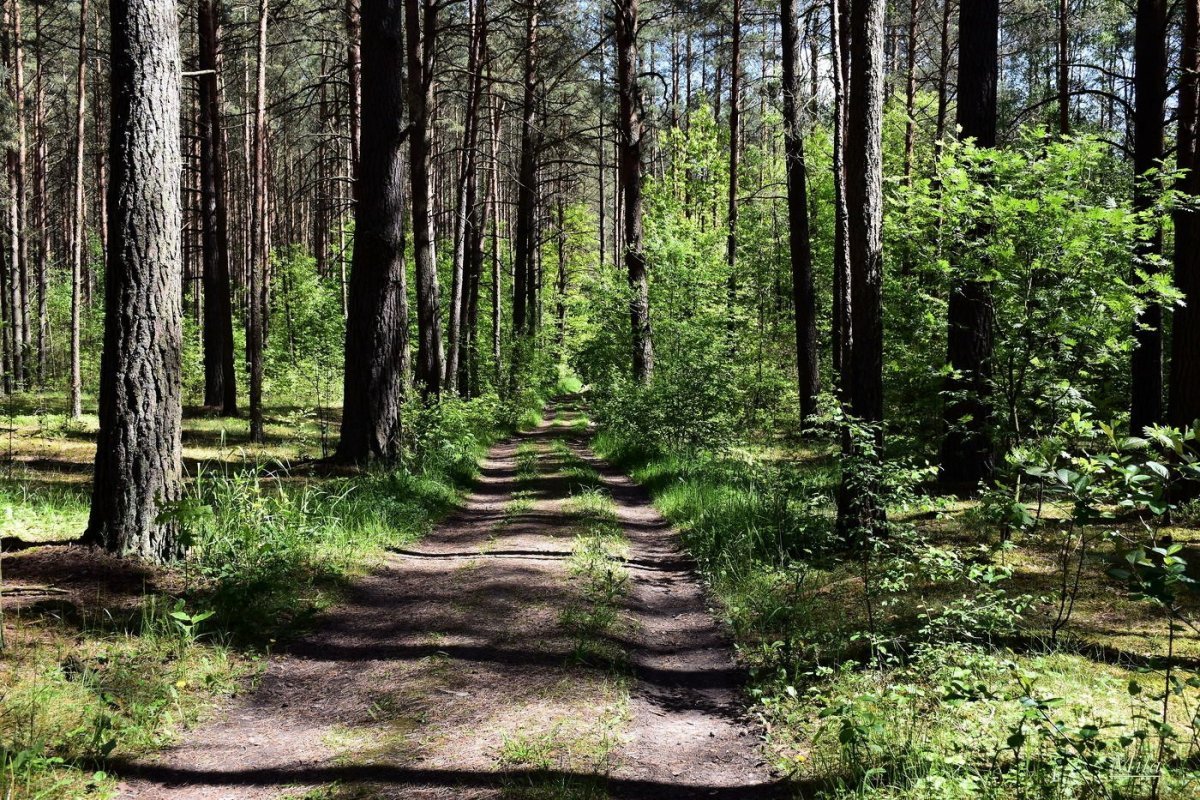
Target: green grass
{"points": [[943, 708], [269, 548]]}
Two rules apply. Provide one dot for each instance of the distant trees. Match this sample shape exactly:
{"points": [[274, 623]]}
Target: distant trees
{"points": [[138, 455]]}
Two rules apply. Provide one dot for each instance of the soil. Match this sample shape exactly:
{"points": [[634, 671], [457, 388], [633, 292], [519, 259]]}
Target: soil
{"points": [[451, 671]]}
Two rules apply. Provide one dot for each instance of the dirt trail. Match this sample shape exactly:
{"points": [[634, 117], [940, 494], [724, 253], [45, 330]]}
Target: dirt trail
{"points": [[450, 671]]}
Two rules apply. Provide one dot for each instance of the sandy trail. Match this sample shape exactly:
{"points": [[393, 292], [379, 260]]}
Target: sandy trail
{"points": [[448, 673]]}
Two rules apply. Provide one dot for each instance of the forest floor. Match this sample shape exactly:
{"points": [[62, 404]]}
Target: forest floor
{"points": [[547, 641]]}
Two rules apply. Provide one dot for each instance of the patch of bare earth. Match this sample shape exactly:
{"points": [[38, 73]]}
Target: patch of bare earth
{"points": [[451, 672]]}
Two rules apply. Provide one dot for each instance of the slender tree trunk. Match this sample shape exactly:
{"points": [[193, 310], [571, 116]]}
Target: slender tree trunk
{"points": [[1184, 400], [859, 507], [494, 206], [629, 132], [377, 328], [421, 43], [944, 65], [843, 334], [803, 298], [41, 205], [78, 230], [18, 247], [735, 130], [967, 454], [1064, 67], [1150, 92], [354, 86], [467, 176], [220, 379], [138, 454], [261, 251], [523, 312], [910, 88]]}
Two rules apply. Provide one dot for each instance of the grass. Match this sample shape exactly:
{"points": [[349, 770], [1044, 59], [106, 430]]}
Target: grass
{"points": [[943, 685], [118, 671]]}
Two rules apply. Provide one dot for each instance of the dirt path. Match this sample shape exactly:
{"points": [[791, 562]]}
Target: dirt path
{"points": [[485, 663]]}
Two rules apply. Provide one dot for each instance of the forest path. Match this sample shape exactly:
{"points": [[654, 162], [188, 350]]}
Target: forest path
{"points": [[546, 641]]}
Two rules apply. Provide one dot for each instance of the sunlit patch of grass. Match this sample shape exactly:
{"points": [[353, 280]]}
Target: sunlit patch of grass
{"points": [[527, 462], [565, 758], [42, 513]]}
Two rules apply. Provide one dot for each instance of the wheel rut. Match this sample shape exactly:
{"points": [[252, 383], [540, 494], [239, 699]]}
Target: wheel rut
{"points": [[479, 663]]}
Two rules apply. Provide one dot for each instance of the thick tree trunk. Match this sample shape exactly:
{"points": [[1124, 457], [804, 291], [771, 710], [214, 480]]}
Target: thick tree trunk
{"points": [[966, 452], [803, 298], [261, 250], [630, 131], [421, 43], [1184, 402], [859, 507], [1150, 94], [377, 327], [78, 230], [138, 463], [220, 379]]}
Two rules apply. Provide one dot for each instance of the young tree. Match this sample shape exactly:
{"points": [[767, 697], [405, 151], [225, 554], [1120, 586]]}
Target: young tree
{"points": [[629, 126], [523, 314], [377, 324], [220, 379], [138, 463], [803, 297], [1150, 95], [966, 452]]}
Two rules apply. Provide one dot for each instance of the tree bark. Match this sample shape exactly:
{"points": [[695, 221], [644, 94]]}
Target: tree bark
{"points": [[17, 222], [803, 298], [220, 379], [78, 230], [859, 507], [138, 454], [735, 129], [261, 249], [523, 313], [1064, 68], [466, 191], [966, 453], [354, 86], [1183, 407], [843, 335], [1150, 94], [629, 132], [421, 41], [910, 88], [377, 327]]}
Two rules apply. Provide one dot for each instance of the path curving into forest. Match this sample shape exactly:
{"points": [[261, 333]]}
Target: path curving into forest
{"points": [[482, 663]]}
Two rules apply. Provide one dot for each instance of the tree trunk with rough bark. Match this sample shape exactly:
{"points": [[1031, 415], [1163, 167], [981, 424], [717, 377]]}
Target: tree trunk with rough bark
{"points": [[630, 131], [803, 297], [1183, 407], [138, 454], [377, 326], [966, 453]]}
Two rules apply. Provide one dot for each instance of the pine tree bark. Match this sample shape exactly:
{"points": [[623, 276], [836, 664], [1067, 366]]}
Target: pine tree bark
{"points": [[843, 335], [17, 222], [220, 379], [377, 327], [1183, 407], [735, 130], [629, 133], [354, 86], [78, 230], [41, 203], [1150, 95], [259, 230], [421, 44], [466, 196], [138, 454], [967, 454], [1064, 67], [523, 312], [803, 297], [859, 506]]}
